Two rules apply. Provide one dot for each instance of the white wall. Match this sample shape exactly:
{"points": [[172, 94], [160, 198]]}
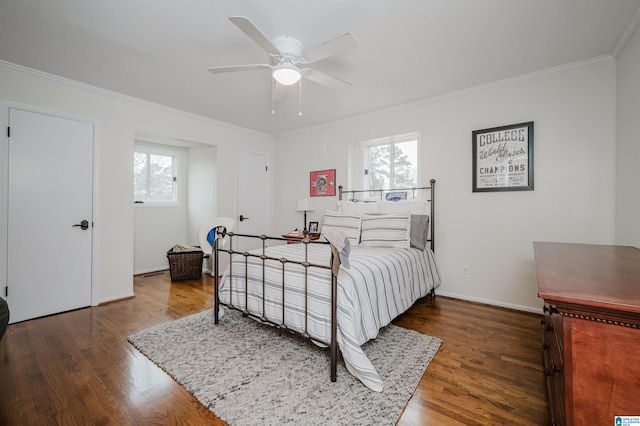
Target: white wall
{"points": [[203, 179], [157, 229], [490, 233], [628, 144], [119, 119], [201, 201]]}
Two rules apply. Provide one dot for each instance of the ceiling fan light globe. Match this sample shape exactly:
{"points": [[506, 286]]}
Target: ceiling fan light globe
{"points": [[286, 75]]}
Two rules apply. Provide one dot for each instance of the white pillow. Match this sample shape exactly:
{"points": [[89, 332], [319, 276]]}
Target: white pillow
{"points": [[391, 231], [348, 223], [359, 207], [413, 206]]}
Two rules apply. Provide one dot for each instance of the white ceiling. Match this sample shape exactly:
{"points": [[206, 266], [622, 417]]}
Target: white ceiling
{"points": [[410, 50]]}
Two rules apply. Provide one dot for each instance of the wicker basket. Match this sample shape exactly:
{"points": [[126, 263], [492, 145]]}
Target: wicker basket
{"points": [[186, 265]]}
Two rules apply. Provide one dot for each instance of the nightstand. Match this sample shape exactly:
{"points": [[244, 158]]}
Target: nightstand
{"points": [[297, 236]]}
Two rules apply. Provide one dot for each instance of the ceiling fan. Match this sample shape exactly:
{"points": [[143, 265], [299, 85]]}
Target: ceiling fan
{"points": [[288, 52]]}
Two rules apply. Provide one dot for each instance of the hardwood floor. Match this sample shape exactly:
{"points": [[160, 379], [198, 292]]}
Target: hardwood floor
{"points": [[488, 370], [78, 368]]}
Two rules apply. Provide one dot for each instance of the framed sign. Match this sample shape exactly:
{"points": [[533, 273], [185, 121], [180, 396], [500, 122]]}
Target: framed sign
{"points": [[503, 158], [322, 183]]}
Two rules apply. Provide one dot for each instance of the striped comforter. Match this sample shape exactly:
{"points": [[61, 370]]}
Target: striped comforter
{"points": [[379, 285]]}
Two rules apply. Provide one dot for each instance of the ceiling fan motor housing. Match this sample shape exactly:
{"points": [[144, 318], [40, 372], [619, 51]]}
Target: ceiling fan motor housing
{"points": [[290, 49]]}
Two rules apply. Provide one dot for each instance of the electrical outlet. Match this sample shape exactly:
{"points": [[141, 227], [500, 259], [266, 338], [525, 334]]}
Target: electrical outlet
{"points": [[464, 271]]}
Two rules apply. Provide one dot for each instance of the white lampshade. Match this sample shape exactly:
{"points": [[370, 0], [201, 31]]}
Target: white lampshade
{"points": [[286, 74], [304, 205]]}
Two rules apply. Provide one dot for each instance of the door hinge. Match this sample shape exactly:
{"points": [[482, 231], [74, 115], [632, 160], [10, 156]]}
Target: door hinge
{"points": [[8, 131], [6, 291], [366, 172], [266, 168]]}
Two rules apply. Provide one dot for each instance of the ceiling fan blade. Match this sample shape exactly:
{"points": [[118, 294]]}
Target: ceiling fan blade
{"points": [[235, 68], [325, 79], [332, 47], [254, 34]]}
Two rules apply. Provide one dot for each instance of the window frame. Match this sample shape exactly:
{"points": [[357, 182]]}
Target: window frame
{"points": [[391, 141], [176, 155]]}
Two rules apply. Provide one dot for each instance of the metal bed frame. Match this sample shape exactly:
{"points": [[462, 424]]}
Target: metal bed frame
{"points": [[333, 344]]}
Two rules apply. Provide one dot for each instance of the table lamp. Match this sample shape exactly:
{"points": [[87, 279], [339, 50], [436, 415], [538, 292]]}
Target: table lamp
{"points": [[305, 205]]}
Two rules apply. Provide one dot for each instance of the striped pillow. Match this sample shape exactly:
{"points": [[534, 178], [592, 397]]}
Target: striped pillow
{"points": [[392, 231], [348, 223]]}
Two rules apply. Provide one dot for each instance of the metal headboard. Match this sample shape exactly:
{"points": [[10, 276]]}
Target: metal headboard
{"points": [[413, 190]]}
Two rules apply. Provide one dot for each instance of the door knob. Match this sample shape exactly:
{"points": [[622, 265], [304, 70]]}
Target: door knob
{"points": [[84, 225], [243, 218]]}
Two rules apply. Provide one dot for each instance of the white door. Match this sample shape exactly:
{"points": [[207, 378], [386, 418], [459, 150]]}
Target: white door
{"points": [[50, 189], [252, 198]]}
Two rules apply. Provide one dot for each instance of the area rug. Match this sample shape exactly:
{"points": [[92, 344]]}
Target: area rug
{"points": [[252, 374]]}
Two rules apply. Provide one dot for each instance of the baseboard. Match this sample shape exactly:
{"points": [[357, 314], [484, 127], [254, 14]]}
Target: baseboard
{"points": [[150, 270], [536, 310], [153, 270], [114, 299]]}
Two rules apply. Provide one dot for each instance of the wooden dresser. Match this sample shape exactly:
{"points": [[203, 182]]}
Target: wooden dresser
{"points": [[590, 331]]}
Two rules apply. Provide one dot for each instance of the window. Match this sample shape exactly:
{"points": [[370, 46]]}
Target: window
{"points": [[155, 176], [391, 162]]}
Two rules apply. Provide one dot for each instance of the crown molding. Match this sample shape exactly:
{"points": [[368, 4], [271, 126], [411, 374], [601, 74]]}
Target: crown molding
{"points": [[627, 32], [126, 98], [456, 93]]}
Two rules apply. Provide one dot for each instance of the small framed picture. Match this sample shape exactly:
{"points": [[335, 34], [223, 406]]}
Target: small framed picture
{"points": [[322, 183], [313, 227]]}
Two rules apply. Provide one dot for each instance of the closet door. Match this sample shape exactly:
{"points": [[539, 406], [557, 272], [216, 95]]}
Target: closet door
{"points": [[252, 198], [49, 214]]}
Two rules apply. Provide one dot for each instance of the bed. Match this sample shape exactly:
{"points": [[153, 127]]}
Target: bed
{"points": [[313, 289]]}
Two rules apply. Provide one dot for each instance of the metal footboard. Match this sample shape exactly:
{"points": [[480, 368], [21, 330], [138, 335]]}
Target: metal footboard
{"points": [[332, 344]]}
